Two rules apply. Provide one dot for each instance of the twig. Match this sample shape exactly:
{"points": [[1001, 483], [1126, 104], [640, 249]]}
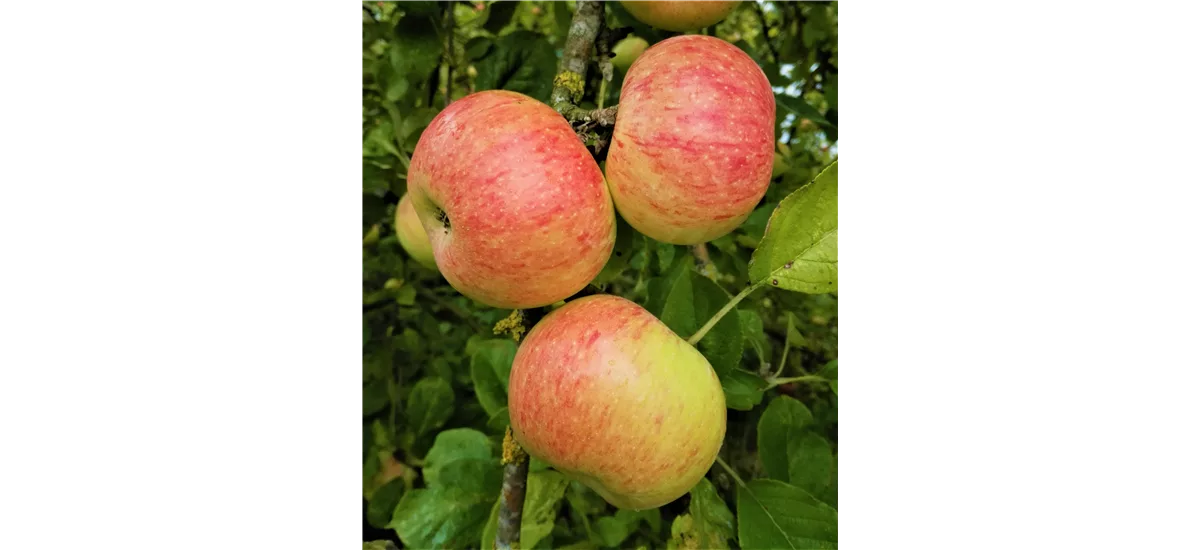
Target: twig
{"points": [[762, 20], [729, 306], [448, 306], [736, 477], [806, 378], [449, 53], [700, 251], [512, 493], [605, 39]]}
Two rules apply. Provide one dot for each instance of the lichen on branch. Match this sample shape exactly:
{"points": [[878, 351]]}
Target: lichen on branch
{"points": [[586, 25], [514, 324]]}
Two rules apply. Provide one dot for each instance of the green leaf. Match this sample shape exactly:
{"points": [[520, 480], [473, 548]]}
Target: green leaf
{"points": [[621, 254], [443, 517], [666, 254], [420, 7], [412, 124], [499, 14], [522, 62], [407, 295], [614, 529], [818, 26], [752, 332], [491, 362], [498, 421], [829, 372], [785, 419], [380, 545], [562, 20], [802, 109], [677, 309], [708, 523], [694, 299], [799, 250], [375, 179], [478, 47], [830, 494], [756, 225], [375, 397], [810, 462], [379, 141], [452, 446], [543, 493], [414, 54], [830, 86], [794, 338], [537, 465], [743, 390], [773, 515], [488, 538], [429, 405], [585, 503], [383, 502]]}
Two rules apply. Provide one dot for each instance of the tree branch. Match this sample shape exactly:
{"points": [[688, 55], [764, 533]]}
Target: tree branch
{"points": [[586, 25], [512, 494]]}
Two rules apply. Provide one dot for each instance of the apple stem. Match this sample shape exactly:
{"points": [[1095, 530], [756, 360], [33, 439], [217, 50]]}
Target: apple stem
{"points": [[806, 378], [728, 307], [512, 493], [736, 477]]}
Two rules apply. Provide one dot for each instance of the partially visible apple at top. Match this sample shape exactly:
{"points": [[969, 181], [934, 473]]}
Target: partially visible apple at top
{"points": [[679, 16], [517, 211]]}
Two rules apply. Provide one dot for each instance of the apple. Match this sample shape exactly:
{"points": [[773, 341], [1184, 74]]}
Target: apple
{"points": [[627, 50], [679, 16], [693, 145], [412, 236], [517, 211], [611, 397]]}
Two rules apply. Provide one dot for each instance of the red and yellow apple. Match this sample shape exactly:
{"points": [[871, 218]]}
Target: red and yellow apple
{"points": [[693, 145], [611, 397], [679, 16], [412, 236], [517, 211]]}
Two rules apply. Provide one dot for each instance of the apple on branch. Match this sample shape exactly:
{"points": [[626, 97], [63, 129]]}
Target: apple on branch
{"points": [[610, 396], [693, 145], [517, 211]]}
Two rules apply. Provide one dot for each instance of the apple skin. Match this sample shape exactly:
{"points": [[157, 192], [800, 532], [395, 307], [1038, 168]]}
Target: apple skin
{"points": [[516, 209], [412, 235], [627, 50], [693, 145], [679, 16], [611, 397]]}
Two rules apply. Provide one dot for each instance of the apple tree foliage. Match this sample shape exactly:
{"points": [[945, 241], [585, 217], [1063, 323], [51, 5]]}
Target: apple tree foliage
{"points": [[435, 375]]}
